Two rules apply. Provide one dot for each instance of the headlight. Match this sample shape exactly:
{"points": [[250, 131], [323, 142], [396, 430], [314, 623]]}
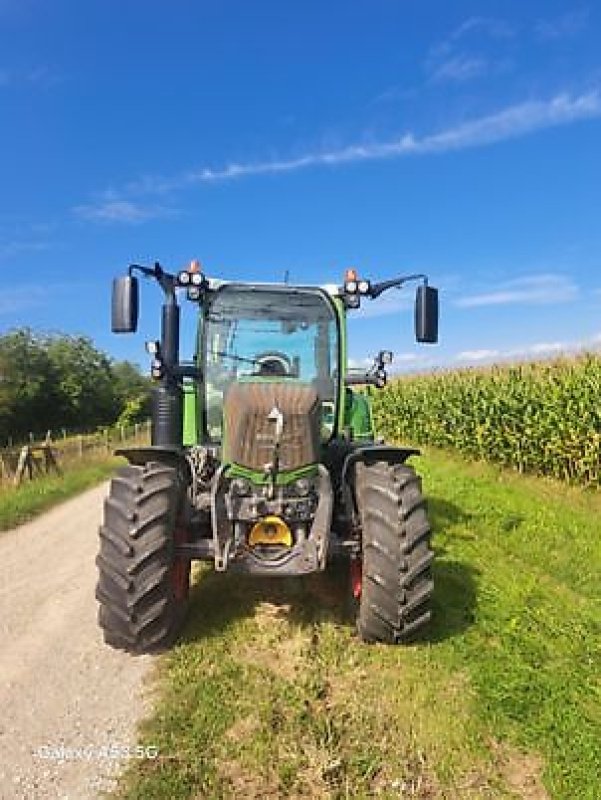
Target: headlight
{"points": [[364, 287], [183, 278], [350, 287], [302, 487], [241, 487]]}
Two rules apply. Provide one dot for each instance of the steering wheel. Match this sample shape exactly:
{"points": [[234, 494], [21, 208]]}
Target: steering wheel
{"points": [[272, 364]]}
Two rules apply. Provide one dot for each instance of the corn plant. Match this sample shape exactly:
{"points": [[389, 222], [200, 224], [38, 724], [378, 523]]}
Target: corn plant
{"points": [[540, 417]]}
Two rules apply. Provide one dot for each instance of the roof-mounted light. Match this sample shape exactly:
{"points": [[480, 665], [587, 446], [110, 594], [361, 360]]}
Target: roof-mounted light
{"points": [[184, 277], [364, 287]]}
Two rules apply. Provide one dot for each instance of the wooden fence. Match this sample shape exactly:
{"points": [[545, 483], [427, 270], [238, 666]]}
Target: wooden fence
{"points": [[54, 452]]}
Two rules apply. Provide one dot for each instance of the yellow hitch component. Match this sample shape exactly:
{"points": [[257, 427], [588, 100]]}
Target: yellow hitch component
{"points": [[270, 530]]}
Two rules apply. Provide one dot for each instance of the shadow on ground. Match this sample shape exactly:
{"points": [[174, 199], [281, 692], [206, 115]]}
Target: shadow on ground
{"points": [[455, 582], [219, 599]]}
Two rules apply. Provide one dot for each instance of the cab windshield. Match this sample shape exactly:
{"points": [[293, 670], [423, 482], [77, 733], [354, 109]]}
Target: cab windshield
{"points": [[266, 334]]}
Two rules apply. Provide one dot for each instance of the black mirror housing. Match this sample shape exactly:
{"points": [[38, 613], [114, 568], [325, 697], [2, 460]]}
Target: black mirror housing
{"points": [[426, 315], [125, 305]]}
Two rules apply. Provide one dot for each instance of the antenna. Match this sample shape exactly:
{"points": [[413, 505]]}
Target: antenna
{"points": [[287, 276]]}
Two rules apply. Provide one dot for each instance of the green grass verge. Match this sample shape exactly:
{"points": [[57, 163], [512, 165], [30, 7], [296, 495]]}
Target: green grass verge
{"points": [[19, 504], [269, 694]]}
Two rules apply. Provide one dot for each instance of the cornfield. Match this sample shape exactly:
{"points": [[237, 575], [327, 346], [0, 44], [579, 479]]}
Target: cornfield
{"points": [[540, 417]]}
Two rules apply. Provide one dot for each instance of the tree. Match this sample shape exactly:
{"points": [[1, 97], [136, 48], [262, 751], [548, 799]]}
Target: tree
{"points": [[84, 380], [28, 391], [54, 381], [131, 386]]}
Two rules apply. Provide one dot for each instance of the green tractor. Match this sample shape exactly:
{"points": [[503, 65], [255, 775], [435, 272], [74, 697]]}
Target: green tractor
{"points": [[263, 459]]}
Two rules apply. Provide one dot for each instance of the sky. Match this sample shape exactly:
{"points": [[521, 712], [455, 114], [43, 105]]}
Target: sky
{"points": [[461, 140]]}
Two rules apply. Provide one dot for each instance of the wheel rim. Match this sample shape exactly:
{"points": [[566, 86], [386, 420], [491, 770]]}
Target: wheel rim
{"points": [[356, 577]]}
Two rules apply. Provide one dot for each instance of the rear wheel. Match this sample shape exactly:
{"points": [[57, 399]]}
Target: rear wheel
{"points": [[392, 581], [142, 586]]}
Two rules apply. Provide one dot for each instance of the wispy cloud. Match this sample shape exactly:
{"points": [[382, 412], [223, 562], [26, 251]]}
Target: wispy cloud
{"points": [[360, 363], [393, 302], [547, 347], [121, 210], [509, 123], [16, 299], [531, 290], [477, 355], [38, 76], [459, 68], [447, 61], [401, 362], [17, 247], [489, 26], [564, 27], [19, 237], [527, 351], [512, 122]]}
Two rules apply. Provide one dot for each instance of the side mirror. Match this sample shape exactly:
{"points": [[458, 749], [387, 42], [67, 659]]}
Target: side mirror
{"points": [[426, 315], [125, 305]]}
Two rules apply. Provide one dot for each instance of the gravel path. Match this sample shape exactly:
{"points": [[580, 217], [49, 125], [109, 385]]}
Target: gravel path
{"points": [[68, 703]]}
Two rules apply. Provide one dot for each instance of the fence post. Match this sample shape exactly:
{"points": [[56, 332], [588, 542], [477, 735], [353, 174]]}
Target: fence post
{"points": [[106, 440], [24, 464], [80, 445]]}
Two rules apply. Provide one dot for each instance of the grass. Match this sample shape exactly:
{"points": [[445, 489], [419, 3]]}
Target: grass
{"points": [[19, 504], [270, 695]]}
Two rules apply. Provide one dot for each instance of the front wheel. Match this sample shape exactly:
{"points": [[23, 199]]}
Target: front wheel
{"points": [[142, 586], [392, 581]]}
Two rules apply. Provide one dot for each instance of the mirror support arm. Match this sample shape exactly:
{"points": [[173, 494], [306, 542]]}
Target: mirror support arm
{"points": [[166, 281], [378, 288]]}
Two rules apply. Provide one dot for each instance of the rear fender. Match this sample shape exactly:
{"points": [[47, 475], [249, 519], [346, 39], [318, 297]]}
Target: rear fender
{"points": [[173, 457], [369, 455]]}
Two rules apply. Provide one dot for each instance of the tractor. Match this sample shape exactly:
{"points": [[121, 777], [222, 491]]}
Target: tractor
{"points": [[263, 459]]}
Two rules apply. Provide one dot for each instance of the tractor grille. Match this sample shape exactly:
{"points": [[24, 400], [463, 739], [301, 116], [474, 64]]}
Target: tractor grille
{"points": [[249, 434]]}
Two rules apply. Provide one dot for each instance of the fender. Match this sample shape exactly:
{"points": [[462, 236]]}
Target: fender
{"points": [[164, 454], [369, 454]]}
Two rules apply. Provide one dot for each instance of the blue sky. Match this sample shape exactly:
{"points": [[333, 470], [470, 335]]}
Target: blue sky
{"points": [[459, 139]]}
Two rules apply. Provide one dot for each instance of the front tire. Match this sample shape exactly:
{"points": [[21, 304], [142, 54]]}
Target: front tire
{"points": [[395, 588], [142, 586]]}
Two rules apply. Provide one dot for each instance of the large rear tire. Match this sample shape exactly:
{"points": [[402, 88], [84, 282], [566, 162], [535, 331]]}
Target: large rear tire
{"points": [[395, 583], [142, 586]]}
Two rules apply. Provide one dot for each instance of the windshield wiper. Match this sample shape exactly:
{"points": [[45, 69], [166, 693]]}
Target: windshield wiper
{"points": [[252, 361]]}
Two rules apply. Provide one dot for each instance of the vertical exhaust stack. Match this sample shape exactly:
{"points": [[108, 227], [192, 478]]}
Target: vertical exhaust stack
{"points": [[167, 397]]}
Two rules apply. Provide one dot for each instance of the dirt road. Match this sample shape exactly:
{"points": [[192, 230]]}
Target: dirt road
{"points": [[68, 703]]}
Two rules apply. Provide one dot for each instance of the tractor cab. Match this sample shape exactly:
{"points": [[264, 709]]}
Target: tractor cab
{"points": [[269, 341]]}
